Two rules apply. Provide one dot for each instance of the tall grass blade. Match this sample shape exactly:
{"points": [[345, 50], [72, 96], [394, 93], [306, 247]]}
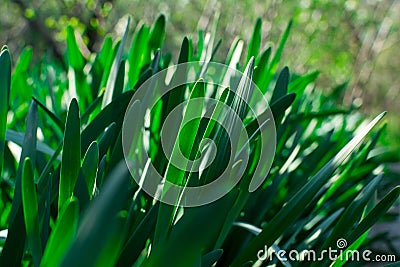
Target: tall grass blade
{"points": [[5, 79], [71, 156], [30, 208]]}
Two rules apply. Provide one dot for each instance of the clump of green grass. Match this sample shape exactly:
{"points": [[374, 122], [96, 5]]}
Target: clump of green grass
{"points": [[67, 199]]}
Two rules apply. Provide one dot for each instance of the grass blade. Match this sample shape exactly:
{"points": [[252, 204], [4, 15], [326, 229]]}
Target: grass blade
{"points": [[99, 66], [71, 156], [211, 257], [14, 246], [62, 234], [278, 54], [110, 93], [281, 86], [5, 78], [349, 217], [157, 33], [92, 239], [30, 207], [111, 113], [89, 167], [18, 138], [138, 54], [75, 58], [52, 116], [28, 150], [260, 78], [137, 241], [255, 41]]}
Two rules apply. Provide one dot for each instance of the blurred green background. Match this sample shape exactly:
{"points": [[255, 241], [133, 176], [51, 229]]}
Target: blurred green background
{"points": [[354, 42]]}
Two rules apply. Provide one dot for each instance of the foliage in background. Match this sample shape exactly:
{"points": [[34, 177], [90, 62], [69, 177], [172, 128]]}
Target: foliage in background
{"points": [[66, 199]]}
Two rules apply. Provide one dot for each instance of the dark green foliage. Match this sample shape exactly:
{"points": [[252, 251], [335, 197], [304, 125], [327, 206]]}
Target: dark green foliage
{"points": [[69, 200]]}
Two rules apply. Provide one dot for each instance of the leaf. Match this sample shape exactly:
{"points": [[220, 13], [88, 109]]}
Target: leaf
{"points": [[249, 227], [30, 207], [232, 61], [97, 226], [176, 96], [355, 161], [89, 166], [28, 150], [109, 136], [42, 180], [209, 40], [278, 54], [278, 110], [81, 193], [21, 91], [351, 214], [138, 54], [91, 109], [111, 113], [99, 66], [260, 76], [184, 53], [117, 154], [234, 53], [108, 64], [341, 259], [375, 214], [157, 33], [62, 234], [101, 172], [14, 246], [75, 57], [143, 77], [71, 156], [18, 138], [52, 116], [119, 82], [24, 60], [255, 41], [137, 240], [112, 250], [281, 86], [179, 249], [211, 257], [300, 83], [44, 206], [287, 214], [173, 174], [5, 78], [323, 227], [111, 87], [12, 251]]}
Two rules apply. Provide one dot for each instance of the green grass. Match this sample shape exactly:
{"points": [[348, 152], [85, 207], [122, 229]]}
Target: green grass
{"points": [[68, 199]]}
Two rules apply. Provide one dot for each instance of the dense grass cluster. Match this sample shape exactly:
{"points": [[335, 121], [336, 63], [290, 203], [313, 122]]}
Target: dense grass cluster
{"points": [[66, 196]]}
